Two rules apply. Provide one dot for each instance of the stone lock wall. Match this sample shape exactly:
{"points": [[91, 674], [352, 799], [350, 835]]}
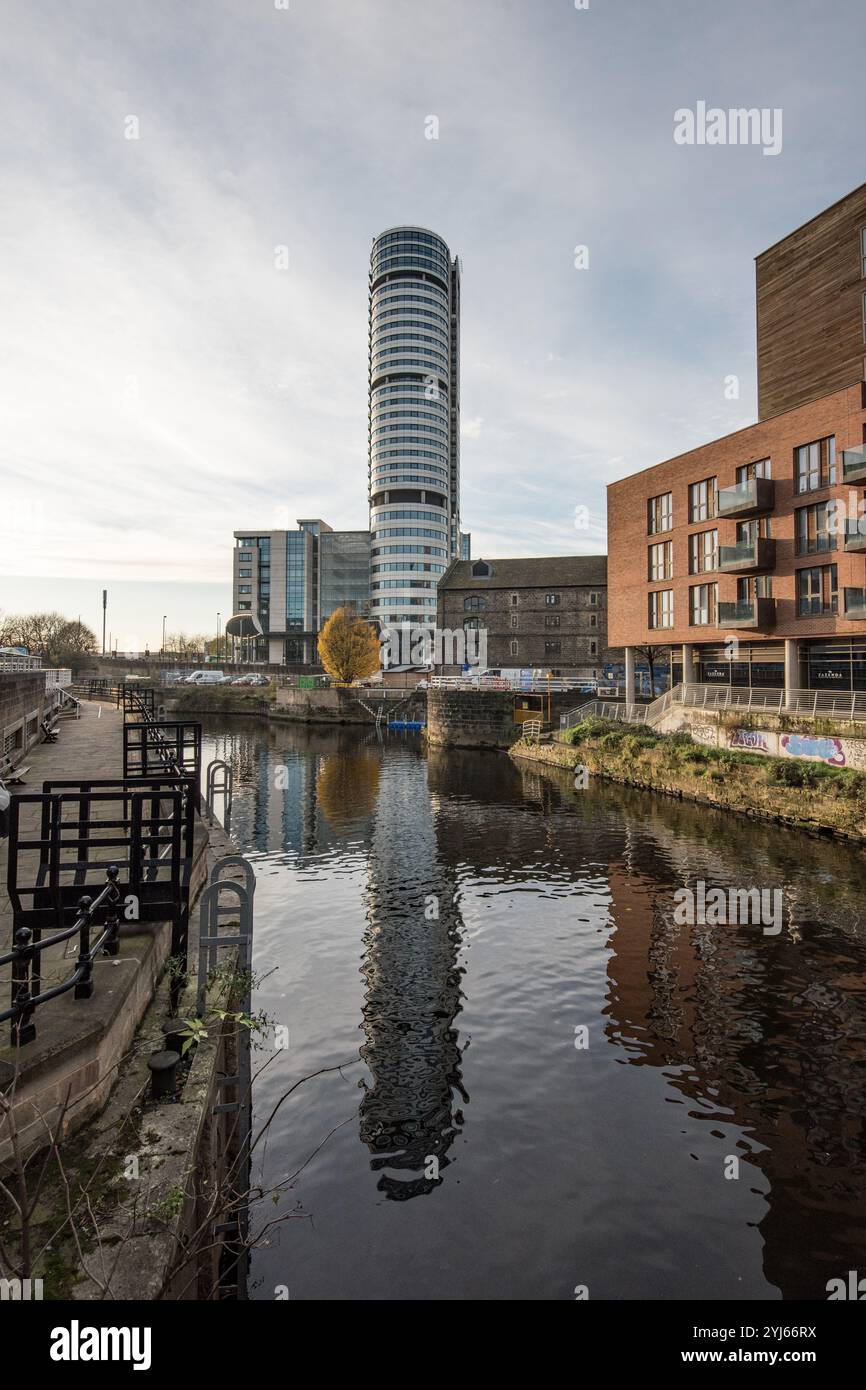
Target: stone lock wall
{"points": [[22, 708]]}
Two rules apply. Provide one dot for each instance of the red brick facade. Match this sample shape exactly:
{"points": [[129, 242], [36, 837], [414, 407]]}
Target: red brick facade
{"points": [[841, 415]]}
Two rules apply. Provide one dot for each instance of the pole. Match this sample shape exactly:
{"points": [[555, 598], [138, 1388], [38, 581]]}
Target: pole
{"points": [[104, 606], [218, 639], [164, 616]]}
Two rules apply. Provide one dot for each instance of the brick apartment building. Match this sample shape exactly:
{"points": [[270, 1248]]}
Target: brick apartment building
{"points": [[746, 556], [545, 614]]}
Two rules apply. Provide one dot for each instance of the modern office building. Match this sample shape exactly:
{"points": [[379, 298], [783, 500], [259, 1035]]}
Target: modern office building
{"points": [[547, 614], [747, 556], [414, 422], [292, 581]]}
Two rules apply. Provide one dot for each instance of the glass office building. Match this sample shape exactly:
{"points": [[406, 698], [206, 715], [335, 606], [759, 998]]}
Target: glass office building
{"points": [[292, 581]]}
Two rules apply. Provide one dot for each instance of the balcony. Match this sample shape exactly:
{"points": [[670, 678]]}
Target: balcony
{"points": [[855, 604], [855, 539], [747, 499], [748, 557], [758, 615], [853, 465]]}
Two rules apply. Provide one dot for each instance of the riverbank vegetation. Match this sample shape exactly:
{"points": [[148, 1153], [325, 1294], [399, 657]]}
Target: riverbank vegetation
{"points": [[809, 795]]}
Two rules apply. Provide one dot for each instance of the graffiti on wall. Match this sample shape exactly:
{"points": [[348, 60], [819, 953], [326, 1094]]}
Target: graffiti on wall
{"points": [[749, 738], [829, 750]]}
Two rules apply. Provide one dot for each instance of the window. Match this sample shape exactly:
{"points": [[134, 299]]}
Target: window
{"points": [[863, 250], [552, 620], [593, 620], [815, 465], [471, 624], [595, 598], [243, 608], [474, 604], [750, 531], [813, 529], [660, 513], [245, 574], [514, 600], [661, 608], [552, 648], [761, 469], [864, 316], [703, 552], [552, 600], [817, 592], [702, 499], [703, 604], [245, 588], [514, 620], [245, 556], [514, 648], [661, 560], [593, 648], [481, 570]]}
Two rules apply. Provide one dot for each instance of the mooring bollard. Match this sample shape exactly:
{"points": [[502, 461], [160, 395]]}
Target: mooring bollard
{"points": [[175, 1031], [163, 1067]]}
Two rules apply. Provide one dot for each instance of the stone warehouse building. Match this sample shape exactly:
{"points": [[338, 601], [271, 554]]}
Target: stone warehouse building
{"points": [[747, 556], [545, 614]]}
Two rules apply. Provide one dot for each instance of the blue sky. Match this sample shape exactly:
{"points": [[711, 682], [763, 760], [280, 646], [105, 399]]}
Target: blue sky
{"points": [[162, 383]]}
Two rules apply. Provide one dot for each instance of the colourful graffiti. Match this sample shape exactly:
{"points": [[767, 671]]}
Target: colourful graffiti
{"points": [[748, 738], [829, 750]]}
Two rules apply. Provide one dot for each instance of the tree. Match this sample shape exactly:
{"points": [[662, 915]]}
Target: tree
{"points": [[348, 647], [180, 644], [59, 639]]}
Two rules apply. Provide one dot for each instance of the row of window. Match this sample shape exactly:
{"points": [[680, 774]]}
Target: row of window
{"points": [[817, 596], [816, 528], [550, 648], [814, 468], [476, 603]]}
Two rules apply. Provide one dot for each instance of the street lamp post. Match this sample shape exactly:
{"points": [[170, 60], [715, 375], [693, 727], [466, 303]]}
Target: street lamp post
{"points": [[164, 616]]}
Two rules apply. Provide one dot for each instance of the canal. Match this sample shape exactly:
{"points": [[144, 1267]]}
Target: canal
{"points": [[552, 1086]]}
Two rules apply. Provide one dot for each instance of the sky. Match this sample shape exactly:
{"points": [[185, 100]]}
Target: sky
{"points": [[164, 381]]}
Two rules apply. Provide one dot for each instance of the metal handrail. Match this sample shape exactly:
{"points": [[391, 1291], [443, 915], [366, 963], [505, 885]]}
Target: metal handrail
{"points": [[813, 704], [26, 951]]}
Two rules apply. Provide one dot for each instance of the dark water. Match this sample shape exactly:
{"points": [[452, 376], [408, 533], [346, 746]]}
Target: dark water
{"points": [[558, 1166]]}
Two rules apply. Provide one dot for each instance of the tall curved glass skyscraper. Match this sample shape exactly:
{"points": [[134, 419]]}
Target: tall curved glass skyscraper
{"points": [[414, 453]]}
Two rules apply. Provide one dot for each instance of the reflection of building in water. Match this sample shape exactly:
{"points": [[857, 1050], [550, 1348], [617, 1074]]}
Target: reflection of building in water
{"points": [[763, 1036], [767, 1030], [412, 989], [303, 792]]}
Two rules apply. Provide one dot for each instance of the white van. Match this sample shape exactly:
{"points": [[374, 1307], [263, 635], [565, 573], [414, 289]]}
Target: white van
{"points": [[208, 677]]}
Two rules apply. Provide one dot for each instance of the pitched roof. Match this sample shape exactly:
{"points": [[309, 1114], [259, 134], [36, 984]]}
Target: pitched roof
{"points": [[544, 572]]}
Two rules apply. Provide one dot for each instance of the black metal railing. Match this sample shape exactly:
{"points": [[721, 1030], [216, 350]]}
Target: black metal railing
{"points": [[140, 833], [25, 958]]}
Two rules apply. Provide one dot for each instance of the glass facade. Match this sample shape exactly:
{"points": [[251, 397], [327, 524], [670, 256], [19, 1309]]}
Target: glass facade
{"points": [[344, 560], [414, 414]]}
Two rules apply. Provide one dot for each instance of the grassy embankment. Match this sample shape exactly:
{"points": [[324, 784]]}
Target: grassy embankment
{"points": [[808, 795]]}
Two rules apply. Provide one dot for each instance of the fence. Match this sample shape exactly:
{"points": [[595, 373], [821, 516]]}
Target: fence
{"points": [[810, 704]]}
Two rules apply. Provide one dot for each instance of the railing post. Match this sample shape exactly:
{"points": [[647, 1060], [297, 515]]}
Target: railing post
{"points": [[84, 987], [23, 1030]]}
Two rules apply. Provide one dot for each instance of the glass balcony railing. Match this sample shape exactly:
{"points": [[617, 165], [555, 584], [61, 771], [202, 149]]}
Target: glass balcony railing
{"points": [[855, 603], [853, 465], [757, 554], [855, 539], [748, 498], [754, 613]]}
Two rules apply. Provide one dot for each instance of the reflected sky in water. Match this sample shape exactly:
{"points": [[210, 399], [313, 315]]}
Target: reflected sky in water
{"points": [[446, 923]]}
